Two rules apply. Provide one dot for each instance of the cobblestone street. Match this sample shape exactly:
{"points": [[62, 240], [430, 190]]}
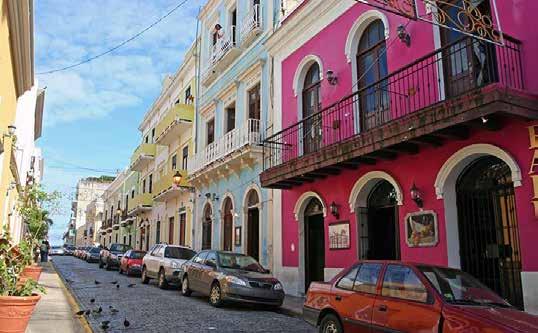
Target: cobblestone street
{"points": [[150, 309]]}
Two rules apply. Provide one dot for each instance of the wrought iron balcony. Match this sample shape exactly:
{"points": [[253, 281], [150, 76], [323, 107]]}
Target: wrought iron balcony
{"points": [[216, 153], [165, 188], [176, 120], [251, 26], [142, 156], [416, 104], [223, 53]]}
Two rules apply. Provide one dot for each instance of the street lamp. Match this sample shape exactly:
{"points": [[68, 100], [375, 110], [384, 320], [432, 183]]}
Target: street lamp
{"points": [[177, 178]]}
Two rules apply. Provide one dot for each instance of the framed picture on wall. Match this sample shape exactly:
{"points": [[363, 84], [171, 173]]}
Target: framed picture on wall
{"points": [[339, 235], [237, 236], [421, 229]]}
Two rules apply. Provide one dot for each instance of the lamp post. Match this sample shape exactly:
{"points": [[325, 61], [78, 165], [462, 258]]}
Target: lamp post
{"points": [[176, 179]]}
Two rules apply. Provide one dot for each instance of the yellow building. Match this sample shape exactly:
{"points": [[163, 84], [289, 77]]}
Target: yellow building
{"points": [[17, 76]]}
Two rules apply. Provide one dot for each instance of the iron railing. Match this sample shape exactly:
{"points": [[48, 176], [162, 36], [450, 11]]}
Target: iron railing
{"points": [[251, 22], [450, 71]]}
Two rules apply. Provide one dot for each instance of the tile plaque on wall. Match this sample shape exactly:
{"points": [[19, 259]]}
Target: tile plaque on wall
{"points": [[339, 235], [421, 229]]}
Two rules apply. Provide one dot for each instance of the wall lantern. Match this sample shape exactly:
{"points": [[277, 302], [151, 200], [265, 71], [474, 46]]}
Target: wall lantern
{"points": [[403, 35], [118, 211], [334, 210], [331, 77], [177, 178], [416, 196]]}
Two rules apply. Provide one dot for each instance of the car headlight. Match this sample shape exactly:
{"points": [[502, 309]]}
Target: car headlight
{"points": [[235, 280], [175, 265], [277, 286]]}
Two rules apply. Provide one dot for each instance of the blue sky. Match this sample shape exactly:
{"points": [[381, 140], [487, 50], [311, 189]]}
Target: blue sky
{"points": [[92, 112]]}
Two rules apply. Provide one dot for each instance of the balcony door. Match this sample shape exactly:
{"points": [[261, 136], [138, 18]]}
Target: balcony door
{"points": [[227, 225], [312, 130], [206, 227], [468, 63], [372, 68]]}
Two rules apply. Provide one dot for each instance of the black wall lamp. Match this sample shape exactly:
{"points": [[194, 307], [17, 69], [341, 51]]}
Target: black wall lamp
{"points": [[403, 35], [334, 210], [331, 77], [416, 196]]}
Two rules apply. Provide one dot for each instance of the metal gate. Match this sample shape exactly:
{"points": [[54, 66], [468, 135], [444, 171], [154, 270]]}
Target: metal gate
{"points": [[487, 224]]}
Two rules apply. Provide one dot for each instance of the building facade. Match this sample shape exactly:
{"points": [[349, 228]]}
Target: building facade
{"points": [[230, 205], [94, 221], [400, 139]]}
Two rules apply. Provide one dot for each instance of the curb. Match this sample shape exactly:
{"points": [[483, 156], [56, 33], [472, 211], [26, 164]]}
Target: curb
{"points": [[291, 312], [73, 301]]}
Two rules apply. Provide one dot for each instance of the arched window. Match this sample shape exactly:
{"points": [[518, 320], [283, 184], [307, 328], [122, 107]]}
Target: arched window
{"points": [[206, 227], [311, 106], [371, 69]]}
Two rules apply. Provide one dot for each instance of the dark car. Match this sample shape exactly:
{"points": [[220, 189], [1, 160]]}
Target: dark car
{"points": [[69, 250], [227, 276], [110, 257], [92, 255], [393, 296], [131, 263]]}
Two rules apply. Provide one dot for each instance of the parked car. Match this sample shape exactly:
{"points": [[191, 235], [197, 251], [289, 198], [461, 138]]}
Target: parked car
{"points": [[409, 297], [69, 250], [131, 263], [92, 254], [79, 253], [227, 276], [110, 257], [84, 252], [56, 251], [163, 262]]}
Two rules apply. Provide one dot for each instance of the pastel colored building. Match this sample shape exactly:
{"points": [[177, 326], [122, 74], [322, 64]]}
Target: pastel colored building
{"points": [[232, 210], [400, 139]]}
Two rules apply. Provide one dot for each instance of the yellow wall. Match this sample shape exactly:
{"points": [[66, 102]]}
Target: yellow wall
{"points": [[8, 105]]}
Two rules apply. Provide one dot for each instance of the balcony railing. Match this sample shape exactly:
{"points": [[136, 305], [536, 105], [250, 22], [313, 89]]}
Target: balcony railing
{"points": [[165, 185], [177, 115], [222, 53], [458, 68], [142, 155], [248, 134], [251, 24]]}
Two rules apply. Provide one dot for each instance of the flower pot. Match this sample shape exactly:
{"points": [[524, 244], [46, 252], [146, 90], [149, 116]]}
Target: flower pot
{"points": [[15, 312], [33, 272]]}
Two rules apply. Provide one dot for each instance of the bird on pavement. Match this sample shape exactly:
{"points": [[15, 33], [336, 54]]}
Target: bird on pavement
{"points": [[126, 323], [131, 285], [92, 300], [99, 310], [87, 312], [68, 280], [104, 325], [114, 282], [114, 311], [97, 282], [117, 286], [80, 313]]}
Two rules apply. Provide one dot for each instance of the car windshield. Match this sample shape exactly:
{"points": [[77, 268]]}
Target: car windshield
{"points": [[56, 247], [70, 248], [137, 255], [458, 287], [178, 253], [239, 261], [119, 248], [95, 250]]}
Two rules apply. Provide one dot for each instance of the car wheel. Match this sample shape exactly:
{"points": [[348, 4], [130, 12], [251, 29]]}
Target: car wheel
{"points": [[215, 295], [330, 324], [145, 279], [163, 284], [185, 290]]}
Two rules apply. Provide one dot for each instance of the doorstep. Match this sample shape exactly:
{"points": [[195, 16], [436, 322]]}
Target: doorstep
{"points": [[55, 311], [293, 306]]}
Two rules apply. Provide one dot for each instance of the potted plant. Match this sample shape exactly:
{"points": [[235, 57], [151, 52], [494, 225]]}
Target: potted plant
{"points": [[17, 296]]}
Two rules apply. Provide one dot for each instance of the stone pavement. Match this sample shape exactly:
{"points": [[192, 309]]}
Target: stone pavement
{"points": [[150, 309], [55, 312]]}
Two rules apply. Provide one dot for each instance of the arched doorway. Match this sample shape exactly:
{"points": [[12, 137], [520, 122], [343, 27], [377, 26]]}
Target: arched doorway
{"points": [[312, 130], [378, 224], [227, 225], [314, 243], [206, 227], [371, 69], [253, 224], [488, 228]]}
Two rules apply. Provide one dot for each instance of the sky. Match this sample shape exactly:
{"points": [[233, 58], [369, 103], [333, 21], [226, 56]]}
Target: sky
{"points": [[92, 112]]}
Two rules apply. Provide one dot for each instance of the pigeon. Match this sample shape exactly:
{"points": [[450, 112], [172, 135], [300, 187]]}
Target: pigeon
{"points": [[99, 310], [114, 282], [92, 300], [131, 285], [68, 280], [114, 311], [104, 325], [87, 312], [97, 282], [80, 313], [110, 307], [117, 286], [126, 323]]}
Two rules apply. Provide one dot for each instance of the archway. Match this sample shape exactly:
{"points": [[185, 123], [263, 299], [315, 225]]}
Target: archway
{"points": [[207, 221], [314, 242], [488, 227], [253, 224], [227, 225]]}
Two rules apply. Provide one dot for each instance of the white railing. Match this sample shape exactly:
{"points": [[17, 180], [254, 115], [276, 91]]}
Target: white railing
{"points": [[252, 21], [247, 134], [219, 50]]}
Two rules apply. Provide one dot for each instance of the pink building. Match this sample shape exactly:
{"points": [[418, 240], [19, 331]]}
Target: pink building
{"points": [[401, 139]]}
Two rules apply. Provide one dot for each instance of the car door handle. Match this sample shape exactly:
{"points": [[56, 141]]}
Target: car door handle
{"points": [[338, 297], [382, 308]]}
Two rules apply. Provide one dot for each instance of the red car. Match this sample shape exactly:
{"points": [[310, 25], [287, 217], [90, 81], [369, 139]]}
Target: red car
{"points": [[391, 296], [131, 262]]}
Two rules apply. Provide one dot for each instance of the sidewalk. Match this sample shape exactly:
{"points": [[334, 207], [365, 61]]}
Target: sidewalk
{"points": [[55, 312], [293, 306]]}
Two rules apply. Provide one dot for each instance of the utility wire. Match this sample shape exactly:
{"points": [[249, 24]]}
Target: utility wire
{"points": [[117, 46]]}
